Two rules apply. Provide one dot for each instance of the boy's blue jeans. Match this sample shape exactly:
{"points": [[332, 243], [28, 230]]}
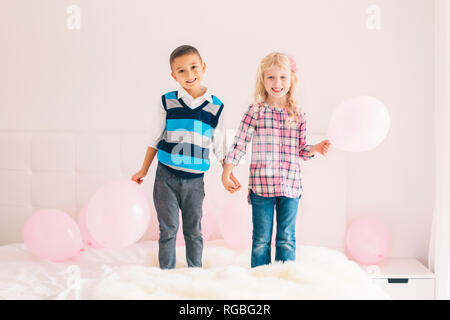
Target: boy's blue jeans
{"points": [[171, 193], [262, 214]]}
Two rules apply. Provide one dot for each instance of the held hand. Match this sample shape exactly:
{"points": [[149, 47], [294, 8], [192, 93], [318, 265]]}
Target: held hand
{"points": [[138, 177], [236, 182], [322, 147], [229, 184]]}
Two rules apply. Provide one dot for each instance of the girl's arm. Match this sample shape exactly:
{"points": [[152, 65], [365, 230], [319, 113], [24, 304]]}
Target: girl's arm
{"points": [[306, 151], [243, 137], [322, 147], [227, 169], [233, 185]]}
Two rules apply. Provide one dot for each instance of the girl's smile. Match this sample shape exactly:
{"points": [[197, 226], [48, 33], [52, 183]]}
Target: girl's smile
{"points": [[277, 82], [277, 90]]}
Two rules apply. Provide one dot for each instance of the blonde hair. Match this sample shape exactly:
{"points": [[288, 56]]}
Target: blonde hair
{"points": [[283, 61]]}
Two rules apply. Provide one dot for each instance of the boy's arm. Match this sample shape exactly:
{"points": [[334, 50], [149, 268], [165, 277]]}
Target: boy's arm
{"points": [[158, 126], [156, 133], [149, 156], [218, 141]]}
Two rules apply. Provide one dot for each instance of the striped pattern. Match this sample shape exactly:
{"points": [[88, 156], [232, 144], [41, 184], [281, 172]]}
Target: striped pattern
{"points": [[276, 150], [185, 145]]}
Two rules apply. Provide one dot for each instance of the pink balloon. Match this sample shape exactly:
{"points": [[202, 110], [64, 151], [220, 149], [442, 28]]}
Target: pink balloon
{"points": [[359, 124], [367, 240], [53, 235], [87, 238], [118, 214], [235, 224]]}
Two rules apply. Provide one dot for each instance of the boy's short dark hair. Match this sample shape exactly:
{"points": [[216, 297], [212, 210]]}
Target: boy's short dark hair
{"points": [[183, 50]]}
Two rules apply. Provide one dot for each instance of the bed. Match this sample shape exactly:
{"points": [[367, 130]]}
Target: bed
{"points": [[322, 271], [133, 273]]}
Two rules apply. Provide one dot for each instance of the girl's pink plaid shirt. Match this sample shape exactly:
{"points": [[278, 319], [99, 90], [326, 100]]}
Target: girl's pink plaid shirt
{"points": [[277, 147]]}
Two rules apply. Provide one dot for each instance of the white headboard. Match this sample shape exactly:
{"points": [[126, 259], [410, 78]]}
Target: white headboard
{"points": [[62, 170]]}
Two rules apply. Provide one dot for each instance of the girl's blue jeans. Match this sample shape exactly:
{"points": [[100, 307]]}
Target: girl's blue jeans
{"points": [[262, 216]]}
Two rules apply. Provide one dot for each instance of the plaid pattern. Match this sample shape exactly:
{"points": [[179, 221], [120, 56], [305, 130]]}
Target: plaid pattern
{"points": [[276, 149]]}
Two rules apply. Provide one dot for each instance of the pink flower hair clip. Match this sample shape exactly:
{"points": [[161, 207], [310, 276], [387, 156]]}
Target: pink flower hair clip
{"points": [[293, 64]]}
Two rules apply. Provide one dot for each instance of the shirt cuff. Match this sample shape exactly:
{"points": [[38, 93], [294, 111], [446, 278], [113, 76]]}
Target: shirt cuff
{"points": [[153, 144], [231, 159], [304, 153]]}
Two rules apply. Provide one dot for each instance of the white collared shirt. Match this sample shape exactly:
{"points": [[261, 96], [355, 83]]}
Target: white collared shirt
{"points": [[159, 123]]}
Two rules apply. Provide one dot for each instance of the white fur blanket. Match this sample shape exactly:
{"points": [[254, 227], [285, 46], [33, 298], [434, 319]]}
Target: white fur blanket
{"points": [[133, 273]]}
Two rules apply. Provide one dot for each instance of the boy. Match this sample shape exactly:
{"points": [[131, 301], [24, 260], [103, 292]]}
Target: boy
{"points": [[182, 135]]}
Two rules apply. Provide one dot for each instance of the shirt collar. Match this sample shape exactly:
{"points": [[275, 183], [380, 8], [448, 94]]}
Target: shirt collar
{"points": [[282, 110], [183, 93]]}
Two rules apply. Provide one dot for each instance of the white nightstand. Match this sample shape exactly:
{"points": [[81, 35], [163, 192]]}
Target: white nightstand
{"points": [[403, 278]]}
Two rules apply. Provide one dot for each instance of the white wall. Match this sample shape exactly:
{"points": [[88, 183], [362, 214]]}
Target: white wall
{"points": [[106, 77]]}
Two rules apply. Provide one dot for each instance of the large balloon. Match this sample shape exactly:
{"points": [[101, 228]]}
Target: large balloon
{"points": [[235, 224], [87, 238], [118, 214], [359, 124], [53, 235], [367, 240]]}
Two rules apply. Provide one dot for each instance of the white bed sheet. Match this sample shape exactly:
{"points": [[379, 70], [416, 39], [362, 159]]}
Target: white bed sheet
{"points": [[133, 273]]}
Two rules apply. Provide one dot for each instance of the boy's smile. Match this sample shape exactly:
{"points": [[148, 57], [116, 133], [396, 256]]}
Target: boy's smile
{"points": [[188, 71]]}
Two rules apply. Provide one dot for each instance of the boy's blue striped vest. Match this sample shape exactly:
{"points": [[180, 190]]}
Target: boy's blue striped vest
{"points": [[184, 146]]}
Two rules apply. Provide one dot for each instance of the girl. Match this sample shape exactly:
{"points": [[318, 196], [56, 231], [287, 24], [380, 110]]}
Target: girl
{"points": [[278, 129]]}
